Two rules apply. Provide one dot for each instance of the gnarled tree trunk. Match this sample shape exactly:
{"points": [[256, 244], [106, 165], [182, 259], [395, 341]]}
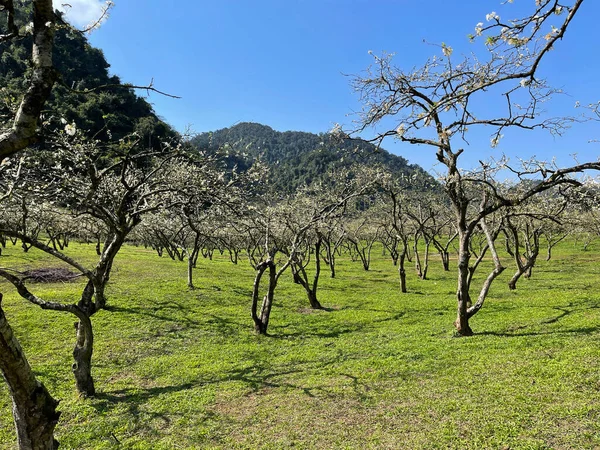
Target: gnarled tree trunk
{"points": [[302, 277], [462, 293], [82, 355], [34, 409]]}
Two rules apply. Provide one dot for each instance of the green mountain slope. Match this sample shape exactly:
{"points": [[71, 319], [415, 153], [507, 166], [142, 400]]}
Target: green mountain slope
{"points": [[111, 110], [298, 158]]}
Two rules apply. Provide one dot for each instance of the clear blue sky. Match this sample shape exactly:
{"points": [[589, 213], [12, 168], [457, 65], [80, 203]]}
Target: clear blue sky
{"points": [[282, 62]]}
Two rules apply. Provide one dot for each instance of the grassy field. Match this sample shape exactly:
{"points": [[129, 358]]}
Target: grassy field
{"points": [[378, 370]]}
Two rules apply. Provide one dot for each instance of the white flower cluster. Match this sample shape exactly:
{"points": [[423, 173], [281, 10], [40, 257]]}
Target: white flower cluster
{"points": [[492, 16], [479, 28], [496, 140], [446, 50], [70, 129]]}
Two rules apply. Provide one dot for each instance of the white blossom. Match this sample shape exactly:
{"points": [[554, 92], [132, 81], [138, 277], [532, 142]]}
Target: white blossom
{"points": [[492, 16], [479, 28], [70, 129], [496, 140]]}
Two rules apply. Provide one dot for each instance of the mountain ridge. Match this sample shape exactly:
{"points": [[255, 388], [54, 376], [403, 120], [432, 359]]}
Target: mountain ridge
{"points": [[298, 158]]}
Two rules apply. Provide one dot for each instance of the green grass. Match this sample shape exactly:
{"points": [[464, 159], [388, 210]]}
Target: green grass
{"points": [[380, 370]]}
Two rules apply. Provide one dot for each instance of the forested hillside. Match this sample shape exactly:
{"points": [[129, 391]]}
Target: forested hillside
{"points": [[86, 94], [297, 158]]}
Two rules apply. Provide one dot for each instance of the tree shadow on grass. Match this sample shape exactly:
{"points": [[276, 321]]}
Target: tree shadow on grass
{"points": [[255, 377], [134, 395], [333, 331], [581, 330], [146, 421], [222, 325], [563, 312]]}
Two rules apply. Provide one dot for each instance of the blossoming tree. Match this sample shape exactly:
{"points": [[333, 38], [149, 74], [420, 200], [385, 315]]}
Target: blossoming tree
{"points": [[436, 105]]}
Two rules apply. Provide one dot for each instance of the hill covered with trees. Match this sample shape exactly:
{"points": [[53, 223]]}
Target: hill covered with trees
{"points": [[298, 158], [85, 93]]}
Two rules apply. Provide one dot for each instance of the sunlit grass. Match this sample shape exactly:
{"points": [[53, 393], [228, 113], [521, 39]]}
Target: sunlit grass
{"points": [[378, 369]]}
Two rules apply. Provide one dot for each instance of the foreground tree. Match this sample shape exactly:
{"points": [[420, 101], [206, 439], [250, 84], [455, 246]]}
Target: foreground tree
{"points": [[114, 185], [34, 409], [436, 104]]}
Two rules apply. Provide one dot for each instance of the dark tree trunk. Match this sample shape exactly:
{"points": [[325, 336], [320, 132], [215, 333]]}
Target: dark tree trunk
{"points": [[301, 277], [445, 260], [99, 247], [191, 262], [426, 260], [418, 267], [261, 322], [462, 293], [265, 310], [330, 259], [82, 355], [312, 299], [190, 273], [465, 312], [402, 272], [530, 256], [34, 409]]}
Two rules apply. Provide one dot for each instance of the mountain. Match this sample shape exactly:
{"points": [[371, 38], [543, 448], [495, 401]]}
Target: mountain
{"points": [[298, 158], [86, 94]]}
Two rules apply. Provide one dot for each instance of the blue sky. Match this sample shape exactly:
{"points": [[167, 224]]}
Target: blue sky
{"points": [[282, 62]]}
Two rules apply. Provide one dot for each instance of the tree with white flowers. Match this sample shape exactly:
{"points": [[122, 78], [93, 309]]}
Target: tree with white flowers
{"points": [[437, 104]]}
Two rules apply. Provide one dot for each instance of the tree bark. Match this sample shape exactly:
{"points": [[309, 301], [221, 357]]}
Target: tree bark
{"points": [[462, 293], [498, 269], [265, 311], [402, 272], [34, 409], [82, 355]]}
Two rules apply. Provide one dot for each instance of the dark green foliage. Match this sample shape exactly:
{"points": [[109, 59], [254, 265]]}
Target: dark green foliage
{"points": [[298, 158], [110, 110]]}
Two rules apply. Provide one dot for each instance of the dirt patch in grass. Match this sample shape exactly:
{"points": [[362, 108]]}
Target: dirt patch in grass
{"points": [[50, 275]]}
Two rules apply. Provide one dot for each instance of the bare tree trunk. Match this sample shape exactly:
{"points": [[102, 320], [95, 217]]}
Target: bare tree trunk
{"points": [[261, 322], [330, 259], [34, 409], [260, 270], [462, 293], [445, 260], [190, 273], [82, 355], [265, 311], [425, 260], [301, 277], [99, 246], [531, 254], [191, 263], [402, 272], [418, 267], [498, 269]]}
